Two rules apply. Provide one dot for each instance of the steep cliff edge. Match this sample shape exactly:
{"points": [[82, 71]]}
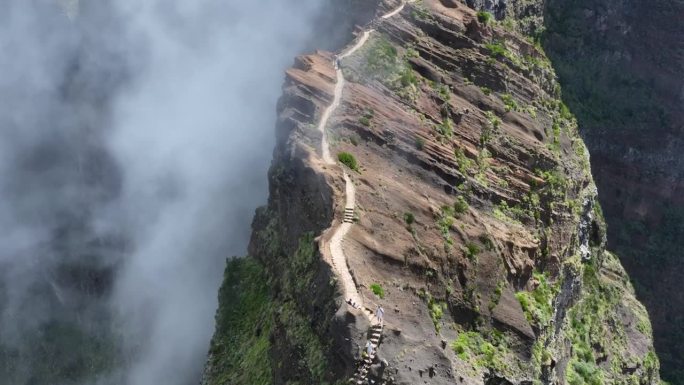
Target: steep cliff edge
{"points": [[474, 224], [621, 63]]}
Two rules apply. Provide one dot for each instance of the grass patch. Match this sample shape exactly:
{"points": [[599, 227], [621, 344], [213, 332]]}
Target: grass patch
{"points": [[378, 290], [472, 347], [383, 63], [493, 123], [471, 250], [239, 351], [595, 328], [348, 160], [461, 205], [366, 118], [509, 102], [444, 221], [538, 304], [464, 163], [446, 128], [484, 17], [436, 309], [497, 49], [444, 92]]}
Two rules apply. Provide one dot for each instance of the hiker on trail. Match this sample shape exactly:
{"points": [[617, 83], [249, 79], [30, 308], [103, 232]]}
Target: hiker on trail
{"points": [[379, 313], [352, 303], [369, 348]]}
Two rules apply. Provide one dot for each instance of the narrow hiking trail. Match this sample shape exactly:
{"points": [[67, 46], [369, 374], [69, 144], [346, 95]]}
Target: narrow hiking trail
{"points": [[394, 12], [338, 258], [337, 97], [337, 255]]}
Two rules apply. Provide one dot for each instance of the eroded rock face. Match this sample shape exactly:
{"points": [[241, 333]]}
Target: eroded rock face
{"points": [[476, 228]]}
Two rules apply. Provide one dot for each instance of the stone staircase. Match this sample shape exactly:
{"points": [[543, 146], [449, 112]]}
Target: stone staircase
{"points": [[348, 215], [361, 375]]}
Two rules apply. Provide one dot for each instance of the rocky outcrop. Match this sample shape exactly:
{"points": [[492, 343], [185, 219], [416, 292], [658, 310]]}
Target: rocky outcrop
{"points": [[476, 223]]}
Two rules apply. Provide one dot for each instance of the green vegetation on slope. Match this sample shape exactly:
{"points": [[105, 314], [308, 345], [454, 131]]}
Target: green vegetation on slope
{"points": [[597, 329], [240, 347], [384, 63], [490, 353], [537, 304], [298, 329], [348, 160]]}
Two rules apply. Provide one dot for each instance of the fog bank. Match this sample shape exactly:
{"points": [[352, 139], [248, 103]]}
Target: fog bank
{"points": [[135, 139]]}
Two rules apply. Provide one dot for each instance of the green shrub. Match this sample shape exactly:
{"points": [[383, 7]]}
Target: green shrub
{"points": [[497, 49], [487, 242], [420, 143], [465, 343], [378, 290], [471, 250], [384, 64], [407, 77], [460, 206], [484, 17], [436, 312], [537, 304], [366, 118], [511, 104], [409, 218], [349, 160], [446, 128], [444, 92], [494, 120], [382, 57], [445, 221], [472, 347], [464, 163]]}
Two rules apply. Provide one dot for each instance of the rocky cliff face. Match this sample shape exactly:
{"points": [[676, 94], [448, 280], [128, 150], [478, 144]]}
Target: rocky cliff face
{"points": [[620, 63], [475, 223]]}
